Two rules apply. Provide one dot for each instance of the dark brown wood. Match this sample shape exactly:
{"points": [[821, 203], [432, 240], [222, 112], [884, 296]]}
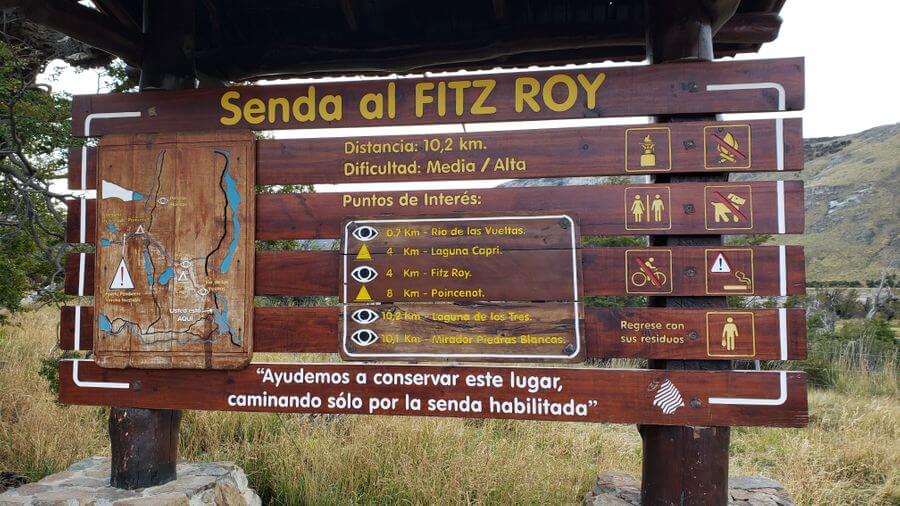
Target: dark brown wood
{"points": [[144, 446], [600, 210], [88, 26], [510, 154], [174, 265], [689, 464], [468, 332], [626, 91], [596, 395], [655, 333], [306, 273]]}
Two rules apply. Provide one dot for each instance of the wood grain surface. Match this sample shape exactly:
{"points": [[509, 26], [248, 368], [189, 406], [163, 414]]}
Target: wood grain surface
{"points": [[563, 152], [656, 333], [572, 394], [556, 94], [686, 208], [175, 258], [605, 271]]}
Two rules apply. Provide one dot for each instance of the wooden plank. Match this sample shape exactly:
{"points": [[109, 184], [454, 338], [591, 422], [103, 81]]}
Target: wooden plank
{"points": [[484, 258], [175, 255], [687, 270], [589, 151], [655, 333], [573, 394], [533, 95], [481, 332], [600, 210]]}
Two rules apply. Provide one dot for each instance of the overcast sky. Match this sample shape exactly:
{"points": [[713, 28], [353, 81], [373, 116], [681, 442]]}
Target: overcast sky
{"points": [[851, 80]]}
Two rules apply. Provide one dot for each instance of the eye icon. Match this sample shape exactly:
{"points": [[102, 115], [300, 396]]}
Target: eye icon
{"points": [[365, 233], [364, 316], [364, 337], [364, 274]]}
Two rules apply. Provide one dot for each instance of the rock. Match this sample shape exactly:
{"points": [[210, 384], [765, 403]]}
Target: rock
{"points": [[620, 489], [87, 482]]}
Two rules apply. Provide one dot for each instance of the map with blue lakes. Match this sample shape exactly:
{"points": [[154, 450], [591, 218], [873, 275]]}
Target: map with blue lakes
{"points": [[175, 230]]}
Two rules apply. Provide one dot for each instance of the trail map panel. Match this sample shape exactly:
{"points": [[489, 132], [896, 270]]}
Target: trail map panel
{"points": [[533, 260], [174, 276]]}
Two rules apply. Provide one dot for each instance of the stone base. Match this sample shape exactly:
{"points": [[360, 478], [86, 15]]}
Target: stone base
{"points": [[620, 489], [87, 482]]}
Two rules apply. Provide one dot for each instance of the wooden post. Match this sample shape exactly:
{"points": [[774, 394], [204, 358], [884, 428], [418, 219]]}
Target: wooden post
{"points": [[145, 441], [685, 465]]}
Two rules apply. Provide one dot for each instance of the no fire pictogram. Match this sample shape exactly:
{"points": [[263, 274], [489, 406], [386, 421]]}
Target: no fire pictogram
{"points": [[727, 147]]}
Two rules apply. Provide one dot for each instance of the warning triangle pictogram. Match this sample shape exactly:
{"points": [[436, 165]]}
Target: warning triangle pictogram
{"points": [[122, 278], [363, 295], [720, 264], [363, 253]]}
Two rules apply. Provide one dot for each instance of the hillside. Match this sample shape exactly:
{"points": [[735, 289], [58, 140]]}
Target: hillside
{"points": [[851, 215], [851, 212]]}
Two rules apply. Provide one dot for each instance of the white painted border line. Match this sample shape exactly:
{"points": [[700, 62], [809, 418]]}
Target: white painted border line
{"points": [[741, 401], [82, 218], [94, 384], [77, 343], [779, 197], [782, 270], [783, 332], [779, 122], [576, 300]]}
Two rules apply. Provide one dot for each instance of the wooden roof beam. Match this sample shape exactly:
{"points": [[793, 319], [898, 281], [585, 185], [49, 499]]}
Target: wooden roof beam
{"points": [[749, 28], [86, 25]]}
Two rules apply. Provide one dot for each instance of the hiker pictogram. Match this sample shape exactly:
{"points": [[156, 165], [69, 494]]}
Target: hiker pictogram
{"points": [[731, 334]]}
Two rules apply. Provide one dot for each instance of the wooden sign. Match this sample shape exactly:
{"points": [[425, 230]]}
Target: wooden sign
{"points": [[485, 332], [701, 87], [637, 332], [750, 146], [174, 258], [474, 258], [687, 208], [684, 270], [574, 394]]}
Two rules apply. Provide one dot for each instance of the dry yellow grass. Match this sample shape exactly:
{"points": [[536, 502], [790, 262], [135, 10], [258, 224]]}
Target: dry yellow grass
{"points": [[850, 454]]}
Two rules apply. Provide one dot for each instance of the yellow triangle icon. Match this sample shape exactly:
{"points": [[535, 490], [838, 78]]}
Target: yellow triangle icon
{"points": [[363, 295], [363, 253]]}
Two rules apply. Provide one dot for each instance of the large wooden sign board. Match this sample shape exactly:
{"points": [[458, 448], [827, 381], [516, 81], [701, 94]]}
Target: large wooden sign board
{"points": [[175, 251], [701, 87], [524, 393], [494, 260]]}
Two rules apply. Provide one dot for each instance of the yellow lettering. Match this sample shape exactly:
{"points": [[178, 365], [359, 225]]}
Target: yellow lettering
{"points": [[285, 109], [422, 98], [254, 111], [487, 86], [392, 101], [372, 106], [571, 93], [524, 95], [310, 102], [337, 108], [233, 109], [459, 87], [592, 87], [442, 99]]}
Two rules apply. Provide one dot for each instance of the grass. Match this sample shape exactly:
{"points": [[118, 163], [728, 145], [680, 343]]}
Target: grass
{"points": [[850, 454]]}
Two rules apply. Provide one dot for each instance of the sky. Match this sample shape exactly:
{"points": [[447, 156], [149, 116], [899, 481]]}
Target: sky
{"points": [[851, 80]]}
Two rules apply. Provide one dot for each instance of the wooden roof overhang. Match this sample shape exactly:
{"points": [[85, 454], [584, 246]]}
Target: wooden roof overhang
{"points": [[237, 40]]}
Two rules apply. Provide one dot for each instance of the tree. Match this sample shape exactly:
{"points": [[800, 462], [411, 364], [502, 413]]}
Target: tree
{"points": [[34, 137]]}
